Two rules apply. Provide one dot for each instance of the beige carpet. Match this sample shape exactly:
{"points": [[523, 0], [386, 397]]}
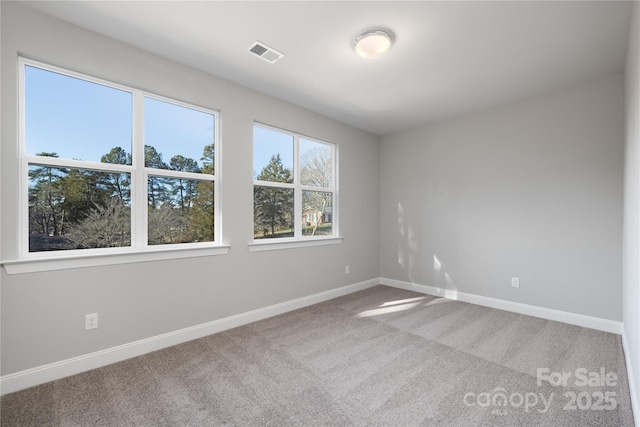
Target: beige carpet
{"points": [[382, 356]]}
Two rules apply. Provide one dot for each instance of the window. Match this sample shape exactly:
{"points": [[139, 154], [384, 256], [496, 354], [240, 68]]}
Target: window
{"points": [[109, 168], [294, 190]]}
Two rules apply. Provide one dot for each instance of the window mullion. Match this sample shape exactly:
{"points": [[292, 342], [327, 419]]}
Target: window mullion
{"points": [[312, 188], [180, 174], [274, 184], [297, 194], [217, 224], [335, 219], [23, 210], [139, 177], [77, 164]]}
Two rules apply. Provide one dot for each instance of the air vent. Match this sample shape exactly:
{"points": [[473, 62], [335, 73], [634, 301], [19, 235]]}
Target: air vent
{"points": [[265, 52]]}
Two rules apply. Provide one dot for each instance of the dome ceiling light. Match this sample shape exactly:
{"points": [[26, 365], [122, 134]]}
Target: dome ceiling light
{"points": [[372, 43]]}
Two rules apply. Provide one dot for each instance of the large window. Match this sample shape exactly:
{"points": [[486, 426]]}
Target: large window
{"points": [[106, 166], [294, 190]]}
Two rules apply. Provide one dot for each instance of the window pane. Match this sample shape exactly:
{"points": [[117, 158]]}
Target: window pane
{"points": [[316, 165], [180, 210], [74, 118], [317, 212], [272, 155], [178, 138], [78, 209], [272, 212]]}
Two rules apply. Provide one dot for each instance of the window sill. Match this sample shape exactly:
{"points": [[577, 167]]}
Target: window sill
{"points": [[260, 246], [34, 265]]}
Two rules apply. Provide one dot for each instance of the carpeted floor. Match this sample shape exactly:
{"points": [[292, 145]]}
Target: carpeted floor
{"points": [[379, 357]]}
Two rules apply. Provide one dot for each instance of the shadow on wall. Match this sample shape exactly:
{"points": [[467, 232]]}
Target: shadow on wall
{"points": [[409, 255]]}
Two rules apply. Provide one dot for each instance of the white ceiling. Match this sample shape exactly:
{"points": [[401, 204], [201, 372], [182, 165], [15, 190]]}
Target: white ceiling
{"points": [[448, 58]]}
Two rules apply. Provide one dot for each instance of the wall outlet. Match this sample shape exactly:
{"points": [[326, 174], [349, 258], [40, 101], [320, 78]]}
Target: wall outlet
{"points": [[90, 321], [515, 282], [346, 269]]}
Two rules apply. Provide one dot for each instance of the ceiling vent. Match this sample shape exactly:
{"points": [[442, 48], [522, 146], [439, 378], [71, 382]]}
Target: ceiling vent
{"points": [[265, 52]]}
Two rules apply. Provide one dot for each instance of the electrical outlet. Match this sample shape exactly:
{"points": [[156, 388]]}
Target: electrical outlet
{"points": [[346, 269], [515, 282], [90, 321]]}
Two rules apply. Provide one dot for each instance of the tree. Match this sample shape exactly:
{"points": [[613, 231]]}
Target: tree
{"points": [[155, 187], [61, 200], [201, 213], [180, 209], [273, 206], [316, 170], [208, 157], [46, 196], [166, 225], [118, 183], [183, 189], [200, 216], [83, 189], [106, 226]]}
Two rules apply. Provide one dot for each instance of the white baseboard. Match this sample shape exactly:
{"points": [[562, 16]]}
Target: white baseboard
{"points": [[53, 371], [516, 307], [635, 403], [544, 313]]}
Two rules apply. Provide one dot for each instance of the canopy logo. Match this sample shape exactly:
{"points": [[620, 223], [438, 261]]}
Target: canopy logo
{"points": [[500, 401]]}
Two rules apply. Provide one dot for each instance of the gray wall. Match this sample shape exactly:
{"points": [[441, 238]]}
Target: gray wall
{"points": [[631, 272], [43, 313], [532, 190]]}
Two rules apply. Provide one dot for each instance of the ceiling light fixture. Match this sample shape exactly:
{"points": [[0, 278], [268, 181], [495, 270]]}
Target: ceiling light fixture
{"points": [[372, 43]]}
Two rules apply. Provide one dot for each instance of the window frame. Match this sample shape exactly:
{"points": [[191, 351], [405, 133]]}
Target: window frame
{"points": [[298, 239], [138, 173]]}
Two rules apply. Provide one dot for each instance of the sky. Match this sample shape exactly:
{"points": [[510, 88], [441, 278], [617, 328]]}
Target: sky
{"points": [[82, 120], [269, 142]]}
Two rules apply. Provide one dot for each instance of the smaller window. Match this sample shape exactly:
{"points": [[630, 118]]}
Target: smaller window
{"points": [[294, 189]]}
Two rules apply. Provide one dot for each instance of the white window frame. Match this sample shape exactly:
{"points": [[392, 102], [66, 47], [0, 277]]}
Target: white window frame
{"points": [[139, 250], [298, 240]]}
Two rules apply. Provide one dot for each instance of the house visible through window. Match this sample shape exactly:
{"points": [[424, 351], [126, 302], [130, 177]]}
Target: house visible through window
{"points": [[106, 166], [294, 185]]}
